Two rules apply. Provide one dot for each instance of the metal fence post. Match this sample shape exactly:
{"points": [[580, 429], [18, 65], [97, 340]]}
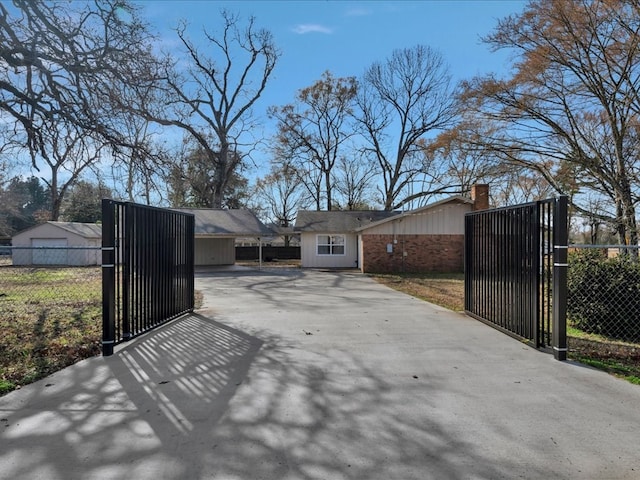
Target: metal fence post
{"points": [[108, 278], [125, 262], [560, 266]]}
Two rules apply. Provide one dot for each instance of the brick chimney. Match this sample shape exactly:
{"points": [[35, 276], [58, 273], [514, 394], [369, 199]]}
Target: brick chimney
{"points": [[480, 196]]}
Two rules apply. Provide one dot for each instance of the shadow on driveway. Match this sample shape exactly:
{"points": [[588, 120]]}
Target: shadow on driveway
{"points": [[198, 399], [313, 376]]}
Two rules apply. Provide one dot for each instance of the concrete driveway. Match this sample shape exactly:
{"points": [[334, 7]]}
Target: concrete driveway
{"points": [[290, 374]]}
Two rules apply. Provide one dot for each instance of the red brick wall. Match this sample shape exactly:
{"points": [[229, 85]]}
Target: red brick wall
{"points": [[425, 253]]}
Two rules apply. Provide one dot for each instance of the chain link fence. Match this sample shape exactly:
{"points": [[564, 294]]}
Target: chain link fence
{"points": [[603, 299], [40, 280], [50, 310]]}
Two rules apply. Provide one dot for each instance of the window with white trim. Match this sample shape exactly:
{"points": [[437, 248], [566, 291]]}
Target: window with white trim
{"points": [[330, 244]]}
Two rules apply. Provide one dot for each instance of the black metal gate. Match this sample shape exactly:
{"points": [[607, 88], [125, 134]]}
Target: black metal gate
{"points": [[147, 269], [515, 271]]}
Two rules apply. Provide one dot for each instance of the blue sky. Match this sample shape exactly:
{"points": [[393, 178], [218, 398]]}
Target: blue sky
{"points": [[345, 37]]}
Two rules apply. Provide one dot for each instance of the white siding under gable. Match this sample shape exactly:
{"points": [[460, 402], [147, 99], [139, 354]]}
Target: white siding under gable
{"points": [[309, 257], [446, 219]]}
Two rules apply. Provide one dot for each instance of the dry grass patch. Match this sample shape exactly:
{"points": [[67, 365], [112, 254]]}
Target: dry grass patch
{"points": [[49, 318], [444, 289]]}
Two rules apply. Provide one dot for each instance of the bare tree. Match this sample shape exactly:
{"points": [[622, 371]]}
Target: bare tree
{"points": [[401, 100], [211, 99], [316, 130], [459, 159], [67, 151], [62, 68], [571, 104], [137, 169], [191, 182], [60, 61], [354, 182], [279, 195]]}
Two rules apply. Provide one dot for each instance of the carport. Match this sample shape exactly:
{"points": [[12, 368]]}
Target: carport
{"points": [[216, 232]]}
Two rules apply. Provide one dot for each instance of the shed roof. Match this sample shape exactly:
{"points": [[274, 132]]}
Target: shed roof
{"points": [[85, 230], [417, 211], [211, 222], [340, 221]]}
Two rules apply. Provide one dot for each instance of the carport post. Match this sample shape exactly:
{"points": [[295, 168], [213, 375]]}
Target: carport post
{"points": [[259, 253], [560, 267]]}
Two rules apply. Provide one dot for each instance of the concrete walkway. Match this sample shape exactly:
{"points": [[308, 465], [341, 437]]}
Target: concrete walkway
{"points": [[321, 375]]}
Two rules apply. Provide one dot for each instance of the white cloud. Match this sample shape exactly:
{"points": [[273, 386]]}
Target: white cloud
{"points": [[312, 28]]}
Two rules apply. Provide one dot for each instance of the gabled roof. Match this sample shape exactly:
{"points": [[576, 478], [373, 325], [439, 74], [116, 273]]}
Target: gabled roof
{"points": [[338, 221], [85, 230], [417, 211], [227, 223]]}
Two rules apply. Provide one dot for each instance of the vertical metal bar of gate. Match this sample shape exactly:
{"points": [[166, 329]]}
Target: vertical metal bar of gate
{"points": [[533, 278], [108, 277], [128, 254], [560, 266]]}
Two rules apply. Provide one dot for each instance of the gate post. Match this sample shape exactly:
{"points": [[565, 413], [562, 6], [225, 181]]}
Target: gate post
{"points": [[560, 266], [108, 277]]}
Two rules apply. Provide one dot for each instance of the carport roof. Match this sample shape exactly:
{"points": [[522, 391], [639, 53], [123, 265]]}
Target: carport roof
{"points": [[211, 222]]}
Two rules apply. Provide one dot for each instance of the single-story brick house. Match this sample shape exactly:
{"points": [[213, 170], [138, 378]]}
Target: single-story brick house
{"points": [[58, 243], [427, 239], [216, 232]]}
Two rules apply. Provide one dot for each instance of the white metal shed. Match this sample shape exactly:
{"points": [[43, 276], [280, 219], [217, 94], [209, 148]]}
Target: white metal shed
{"points": [[58, 243]]}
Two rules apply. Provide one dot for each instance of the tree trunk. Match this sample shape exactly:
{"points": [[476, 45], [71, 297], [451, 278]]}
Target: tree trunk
{"points": [[327, 184], [55, 198], [220, 168]]}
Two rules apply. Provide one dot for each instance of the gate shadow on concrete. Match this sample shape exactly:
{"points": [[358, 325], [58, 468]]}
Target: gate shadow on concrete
{"points": [[198, 399], [128, 415]]}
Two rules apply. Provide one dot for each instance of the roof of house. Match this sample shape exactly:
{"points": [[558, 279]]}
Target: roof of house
{"points": [[227, 223], [417, 211], [338, 221], [85, 230]]}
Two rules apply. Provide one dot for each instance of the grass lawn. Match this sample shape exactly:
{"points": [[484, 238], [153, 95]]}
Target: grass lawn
{"points": [[447, 290], [49, 318]]}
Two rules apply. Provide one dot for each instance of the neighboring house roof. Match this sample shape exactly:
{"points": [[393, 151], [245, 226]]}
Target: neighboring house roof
{"points": [[227, 223], [85, 230], [340, 221], [279, 231], [417, 211]]}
